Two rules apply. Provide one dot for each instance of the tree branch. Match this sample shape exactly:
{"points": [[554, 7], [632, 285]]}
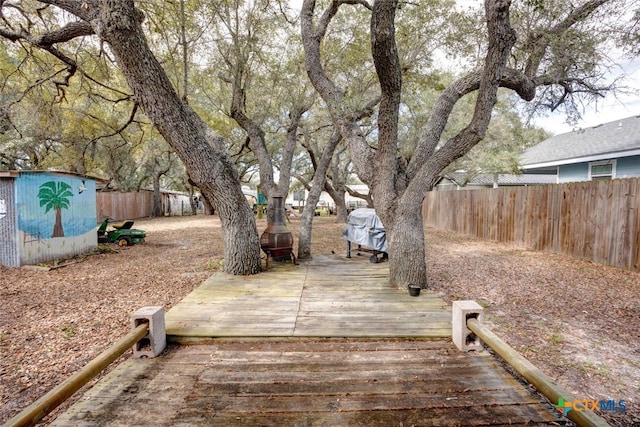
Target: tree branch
{"points": [[46, 42], [118, 131], [363, 196], [83, 9], [539, 42], [331, 11], [64, 34], [501, 40], [256, 135], [331, 94], [387, 64], [511, 79], [292, 141]]}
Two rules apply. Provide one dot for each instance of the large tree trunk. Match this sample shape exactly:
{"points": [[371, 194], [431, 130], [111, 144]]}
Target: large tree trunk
{"points": [[305, 232], [308, 213], [338, 194], [202, 152], [317, 185], [405, 239]]}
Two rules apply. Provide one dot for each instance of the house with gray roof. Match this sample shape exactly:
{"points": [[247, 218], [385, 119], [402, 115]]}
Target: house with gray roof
{"points": [[607, 151]]}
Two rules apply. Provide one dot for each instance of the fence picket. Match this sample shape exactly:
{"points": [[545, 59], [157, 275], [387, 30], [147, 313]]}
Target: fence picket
{"points": [[597, 220]]}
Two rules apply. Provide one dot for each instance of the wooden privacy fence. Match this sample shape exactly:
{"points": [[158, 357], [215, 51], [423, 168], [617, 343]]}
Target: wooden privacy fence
{"points": [[122, 206], [139, 204], [595, 220]]}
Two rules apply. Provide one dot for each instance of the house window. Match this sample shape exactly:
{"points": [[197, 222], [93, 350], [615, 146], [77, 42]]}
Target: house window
{"points": [[602, 170]]}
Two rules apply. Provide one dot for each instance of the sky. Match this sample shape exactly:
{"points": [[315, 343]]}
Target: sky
{"points": [[610, 109]]}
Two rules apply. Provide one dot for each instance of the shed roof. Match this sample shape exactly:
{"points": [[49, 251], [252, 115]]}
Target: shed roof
{"points": [[16, 173], [620, 138]]}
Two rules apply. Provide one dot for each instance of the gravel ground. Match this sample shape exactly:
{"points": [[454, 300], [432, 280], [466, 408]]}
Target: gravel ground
{"points": [[576, 320]]}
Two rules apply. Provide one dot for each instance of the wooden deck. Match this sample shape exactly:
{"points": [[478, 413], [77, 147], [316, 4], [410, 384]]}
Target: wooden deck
{"points": [[328, 343], [319, 382], [328, 297]]}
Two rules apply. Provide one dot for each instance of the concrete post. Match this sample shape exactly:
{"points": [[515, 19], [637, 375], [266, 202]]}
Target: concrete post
{"points": [[463, 338], [155, 341]]}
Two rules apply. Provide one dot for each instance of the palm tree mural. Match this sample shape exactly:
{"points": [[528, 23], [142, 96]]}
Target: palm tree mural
{"points": [[56, 197]]}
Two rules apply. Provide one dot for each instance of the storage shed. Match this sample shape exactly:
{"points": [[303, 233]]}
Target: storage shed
{"points": [[45, 216]]}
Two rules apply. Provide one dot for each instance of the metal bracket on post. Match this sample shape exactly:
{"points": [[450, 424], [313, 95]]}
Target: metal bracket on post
{"points": [[152, 344], [463, 338]]}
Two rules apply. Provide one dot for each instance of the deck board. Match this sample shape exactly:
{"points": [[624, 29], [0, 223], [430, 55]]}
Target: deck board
{"points": [[311, 382], [328, 297]]}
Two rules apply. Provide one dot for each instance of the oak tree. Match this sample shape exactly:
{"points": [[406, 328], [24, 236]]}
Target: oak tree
{"points": [[116, 26], [553, 47]]}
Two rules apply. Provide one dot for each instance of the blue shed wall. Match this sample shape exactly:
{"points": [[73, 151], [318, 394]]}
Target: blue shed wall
{"points": [[8, 221], [56, 216]]}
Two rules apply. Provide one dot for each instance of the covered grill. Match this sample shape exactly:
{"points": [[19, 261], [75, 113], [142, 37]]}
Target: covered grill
{"points": [[366, 230], [277, 241]]}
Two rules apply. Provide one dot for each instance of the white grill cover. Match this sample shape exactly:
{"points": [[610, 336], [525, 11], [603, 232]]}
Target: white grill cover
{"points": [[365, 228]]}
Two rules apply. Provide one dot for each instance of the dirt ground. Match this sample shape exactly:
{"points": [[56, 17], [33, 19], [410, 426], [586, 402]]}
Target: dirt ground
{"points": [[577, 321]]}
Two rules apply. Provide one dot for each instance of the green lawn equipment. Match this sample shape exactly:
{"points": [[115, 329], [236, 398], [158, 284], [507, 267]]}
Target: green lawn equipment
{"points": [[121, 233]]}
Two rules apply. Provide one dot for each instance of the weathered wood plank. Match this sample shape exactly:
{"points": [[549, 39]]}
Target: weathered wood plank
{"points": [[221, 317], [364, 305], [523, 415], [249, 306], [334, 360], [359, 402], [207, 331], [323, 345], [311, 382], [359, 373], [328, 297], [350, 386], [371, 295]]}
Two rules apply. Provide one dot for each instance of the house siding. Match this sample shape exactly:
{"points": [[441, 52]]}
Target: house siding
{"points": [[573, 173], [628, 167]]}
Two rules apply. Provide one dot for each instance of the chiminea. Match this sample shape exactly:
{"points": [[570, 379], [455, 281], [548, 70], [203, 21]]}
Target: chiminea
{"points": [[277, 240]]}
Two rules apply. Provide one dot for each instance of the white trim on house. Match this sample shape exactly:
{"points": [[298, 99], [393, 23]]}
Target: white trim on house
{"points": [[592, 158]]}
